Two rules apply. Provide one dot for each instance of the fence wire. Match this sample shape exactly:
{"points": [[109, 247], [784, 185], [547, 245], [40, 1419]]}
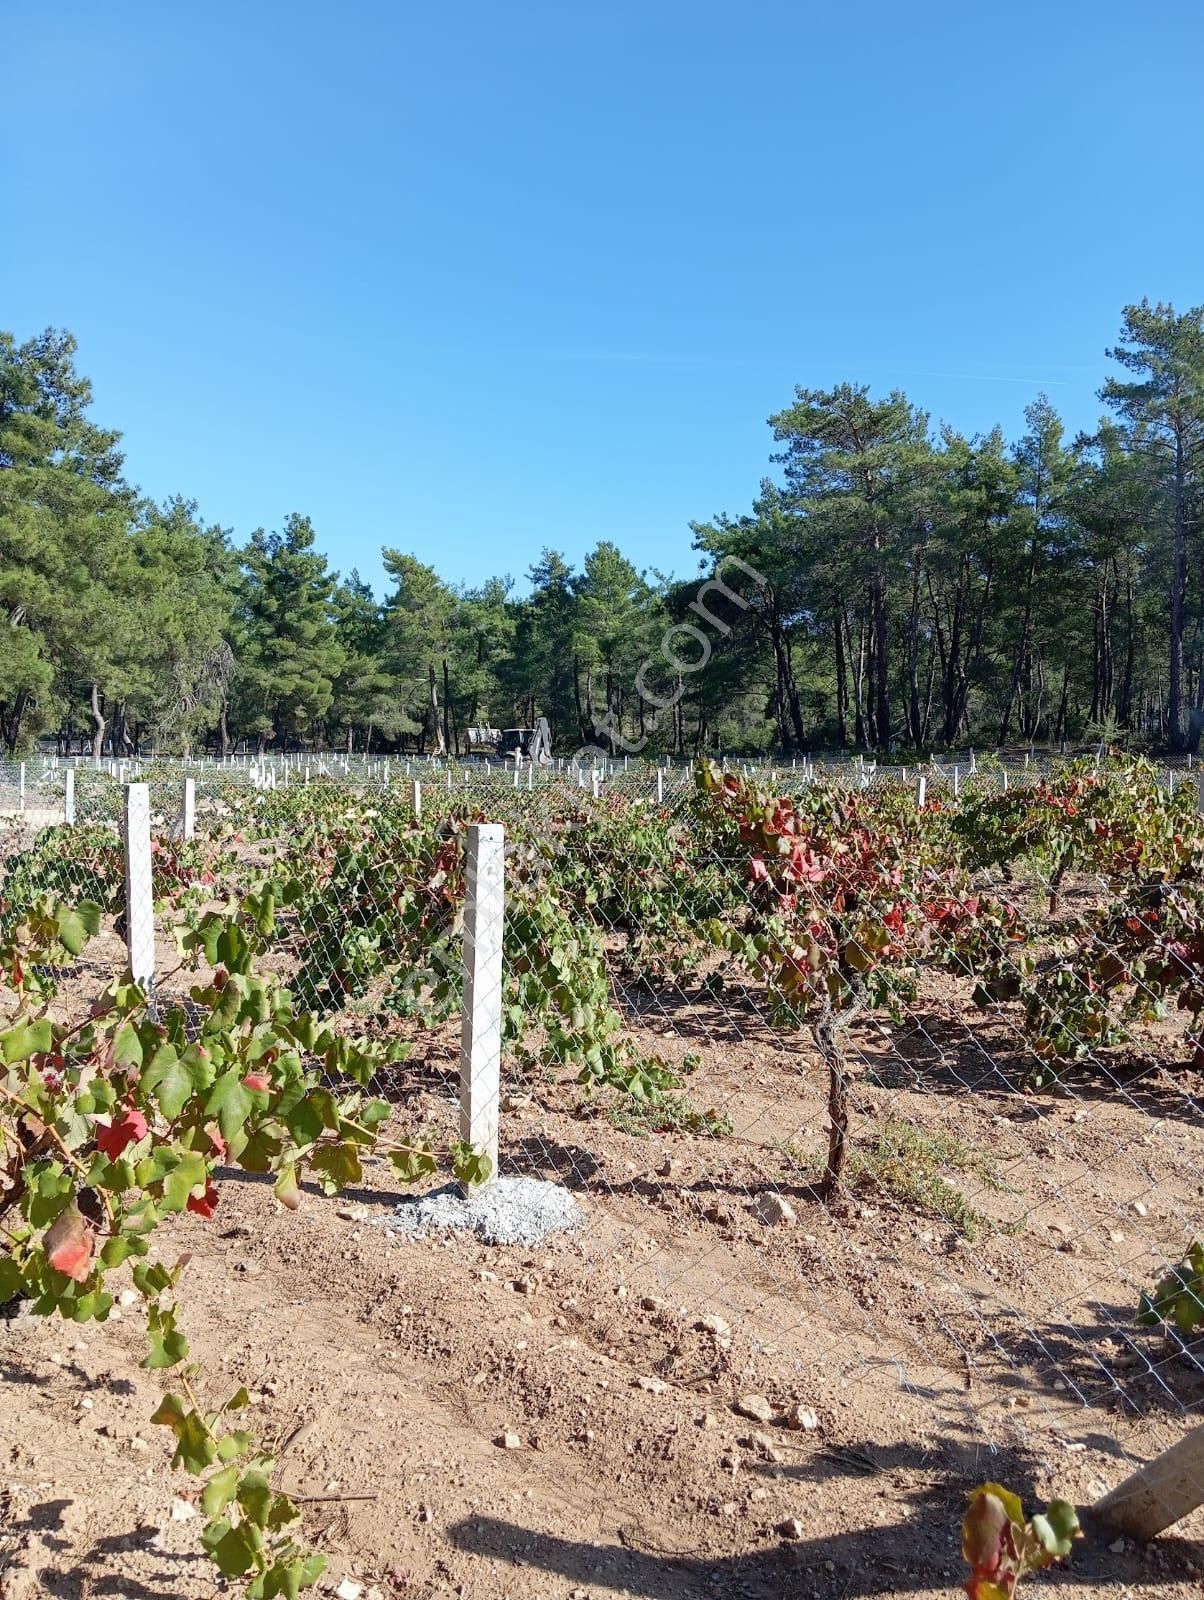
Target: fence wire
{"points": [[1025, 1158]]}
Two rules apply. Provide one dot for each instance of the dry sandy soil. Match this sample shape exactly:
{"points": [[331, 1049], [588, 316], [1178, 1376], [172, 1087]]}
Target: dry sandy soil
{"points": [[386, 1371]]}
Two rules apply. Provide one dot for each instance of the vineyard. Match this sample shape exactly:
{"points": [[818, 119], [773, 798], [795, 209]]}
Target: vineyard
{"points": [[879, 1093]]}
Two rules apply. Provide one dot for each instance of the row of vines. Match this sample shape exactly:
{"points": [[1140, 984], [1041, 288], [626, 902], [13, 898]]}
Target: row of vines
{"points": [[309, 922]]}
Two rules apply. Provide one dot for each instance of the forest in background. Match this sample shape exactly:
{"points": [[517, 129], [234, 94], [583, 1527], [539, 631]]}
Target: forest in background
{"points": [[895, 584]]}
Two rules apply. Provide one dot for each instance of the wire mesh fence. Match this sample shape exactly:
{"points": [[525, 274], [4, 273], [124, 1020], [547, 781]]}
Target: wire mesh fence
{"points": [[897, 1070]]}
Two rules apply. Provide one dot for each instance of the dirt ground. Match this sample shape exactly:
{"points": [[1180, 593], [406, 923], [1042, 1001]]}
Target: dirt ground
{"points": [[385, 1372]]}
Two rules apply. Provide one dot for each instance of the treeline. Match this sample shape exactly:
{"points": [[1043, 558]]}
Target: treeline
{"points": [[896, 585]]}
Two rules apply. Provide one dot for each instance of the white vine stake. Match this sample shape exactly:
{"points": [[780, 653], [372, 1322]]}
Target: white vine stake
{"points": [[139, 890], [481, 1027], [417, 791], [189, 816], [69, 797]]}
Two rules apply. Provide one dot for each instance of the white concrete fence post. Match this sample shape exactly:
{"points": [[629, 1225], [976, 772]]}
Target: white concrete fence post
{"points": [[416, 789], [21, 786], [481, 1027], [921, 791], [139, 888], [69, 797], [189, 817]]}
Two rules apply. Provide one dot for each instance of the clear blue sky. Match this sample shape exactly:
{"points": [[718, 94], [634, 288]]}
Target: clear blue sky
{"points": [[471, 279]]}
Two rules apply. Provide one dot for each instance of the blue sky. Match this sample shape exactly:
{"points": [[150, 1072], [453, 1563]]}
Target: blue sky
{"points": [[474, 279]]}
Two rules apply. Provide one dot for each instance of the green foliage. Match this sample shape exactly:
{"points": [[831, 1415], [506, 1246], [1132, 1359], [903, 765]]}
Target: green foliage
{"points": [[1177, 1298], [899, 584], [1115, 824], [1123, 966], [1000, 1547], [110, 1124], [291, 656]]}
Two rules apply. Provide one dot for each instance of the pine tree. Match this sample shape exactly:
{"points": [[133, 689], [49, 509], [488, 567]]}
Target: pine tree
{"points": [[1162, 410], [286, 677]]}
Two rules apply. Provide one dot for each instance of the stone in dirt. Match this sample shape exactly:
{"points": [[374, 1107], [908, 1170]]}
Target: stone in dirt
{"points": [[791, 1528], [801, 1417], [713, 1325], [652, 1385], [508, 1441], [755, 1407], [773, 1210]]}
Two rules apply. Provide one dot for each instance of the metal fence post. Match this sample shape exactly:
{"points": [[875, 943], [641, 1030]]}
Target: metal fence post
{"points": [[139, 890], [481, 1028]]}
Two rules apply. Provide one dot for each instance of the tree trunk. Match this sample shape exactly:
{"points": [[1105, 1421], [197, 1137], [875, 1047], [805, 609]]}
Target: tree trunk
{"points": [[915, 729], [437, 739], [842, 685], [1174, 698], [882, 658], [582, 733], [788, 687], [98, 736], [12, 722], [1124, 705], [858, 685]]}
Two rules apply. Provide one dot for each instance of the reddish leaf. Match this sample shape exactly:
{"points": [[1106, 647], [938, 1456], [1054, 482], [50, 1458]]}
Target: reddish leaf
{"points": [[69, 1243], [257, 1082], [113, 1137], [204, 1204]]}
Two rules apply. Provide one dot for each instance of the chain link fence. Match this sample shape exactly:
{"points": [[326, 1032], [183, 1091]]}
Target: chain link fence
{"points": [[1023, 1162]]}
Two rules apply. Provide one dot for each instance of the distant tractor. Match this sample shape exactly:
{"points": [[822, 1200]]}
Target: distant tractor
{"points": [[532, 744]]}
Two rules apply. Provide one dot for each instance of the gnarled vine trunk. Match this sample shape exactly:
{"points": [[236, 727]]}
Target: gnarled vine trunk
{"points": [[828, 1032]]}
